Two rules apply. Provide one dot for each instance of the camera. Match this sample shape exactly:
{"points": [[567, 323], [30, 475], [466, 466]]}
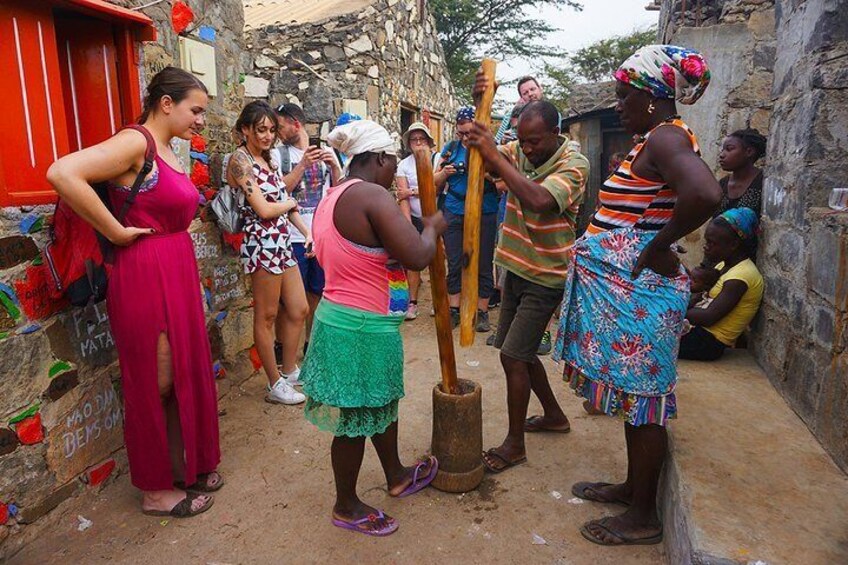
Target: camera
{"points": [[460, 168]]}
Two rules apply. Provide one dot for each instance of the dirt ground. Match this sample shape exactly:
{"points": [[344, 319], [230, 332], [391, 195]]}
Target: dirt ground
{"points": [[275, 507]]}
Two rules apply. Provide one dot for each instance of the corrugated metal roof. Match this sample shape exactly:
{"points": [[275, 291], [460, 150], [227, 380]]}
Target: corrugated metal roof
{"points": [[592, 96], [261, 13]]}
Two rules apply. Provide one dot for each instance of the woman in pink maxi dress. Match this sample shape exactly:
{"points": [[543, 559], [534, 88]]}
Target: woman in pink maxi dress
{"points": [[153, 298], [154, 289]]}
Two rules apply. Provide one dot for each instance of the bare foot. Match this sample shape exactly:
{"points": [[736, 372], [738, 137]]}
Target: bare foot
{"points": [[166, 500], [591, 410]]}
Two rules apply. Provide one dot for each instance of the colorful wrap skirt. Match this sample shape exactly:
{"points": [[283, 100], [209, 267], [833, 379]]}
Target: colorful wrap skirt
{"points": [[353, 372], [618, 337]]}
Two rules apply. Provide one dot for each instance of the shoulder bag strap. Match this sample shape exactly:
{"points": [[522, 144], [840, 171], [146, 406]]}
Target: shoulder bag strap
{"points": [[149, 157]]}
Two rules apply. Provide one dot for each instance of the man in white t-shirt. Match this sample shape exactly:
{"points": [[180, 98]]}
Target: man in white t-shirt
{"points": [[406, 179], [308, 171]]}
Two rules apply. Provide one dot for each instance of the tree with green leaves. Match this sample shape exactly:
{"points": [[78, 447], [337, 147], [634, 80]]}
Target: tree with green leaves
{"points": [[471, 29], [593, 63]]}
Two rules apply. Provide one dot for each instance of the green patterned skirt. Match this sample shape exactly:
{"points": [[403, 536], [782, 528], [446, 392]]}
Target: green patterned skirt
{"points": [[353, 371]]}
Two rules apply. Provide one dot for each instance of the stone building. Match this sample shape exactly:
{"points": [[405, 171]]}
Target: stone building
{"points": [[375, 58], [60, 400], [779, 66], [591, 120]]}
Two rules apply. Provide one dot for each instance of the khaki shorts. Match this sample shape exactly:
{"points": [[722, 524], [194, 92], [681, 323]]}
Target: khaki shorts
{"points": [[526, 309]]}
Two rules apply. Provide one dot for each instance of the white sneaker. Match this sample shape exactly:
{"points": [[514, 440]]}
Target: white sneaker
{"points": [[292, 378], [412, 311], [283, 393]]}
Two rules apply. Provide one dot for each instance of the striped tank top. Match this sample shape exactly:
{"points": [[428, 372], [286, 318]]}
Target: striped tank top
{"points": [[628, 200]]}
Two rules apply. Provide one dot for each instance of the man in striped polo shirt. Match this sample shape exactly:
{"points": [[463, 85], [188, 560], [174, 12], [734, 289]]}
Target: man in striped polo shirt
{"points": [[546, 180]]}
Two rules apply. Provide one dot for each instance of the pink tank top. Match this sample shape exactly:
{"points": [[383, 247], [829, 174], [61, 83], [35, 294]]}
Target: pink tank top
{"points": [[356, 276]]}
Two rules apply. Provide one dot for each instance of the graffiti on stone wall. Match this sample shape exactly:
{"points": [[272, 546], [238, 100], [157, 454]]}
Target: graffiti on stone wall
{"points": [[90, 336], [206, 245], [88, 432], [225, 285], [156, 58], [15, 250], [34, 292]]}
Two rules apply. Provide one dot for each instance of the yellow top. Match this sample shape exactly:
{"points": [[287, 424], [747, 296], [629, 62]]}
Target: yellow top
{"points": [[731, 326]]}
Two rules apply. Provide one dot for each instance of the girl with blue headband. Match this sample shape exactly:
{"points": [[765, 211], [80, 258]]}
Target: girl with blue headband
{"points": [[735, 297]]}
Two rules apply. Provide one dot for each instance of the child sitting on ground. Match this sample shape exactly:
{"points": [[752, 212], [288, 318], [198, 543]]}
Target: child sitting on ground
{"points": [[703, 279]]}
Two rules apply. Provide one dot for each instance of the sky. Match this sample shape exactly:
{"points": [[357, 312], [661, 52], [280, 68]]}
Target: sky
{"points": [[599, 19]]}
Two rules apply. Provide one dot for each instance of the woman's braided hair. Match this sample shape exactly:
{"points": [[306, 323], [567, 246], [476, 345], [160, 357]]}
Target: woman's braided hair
{"points": [[752, 139]]}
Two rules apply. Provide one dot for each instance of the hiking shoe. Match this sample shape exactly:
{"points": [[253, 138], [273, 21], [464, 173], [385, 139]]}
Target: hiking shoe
{"points": [[278, 352], [292, 378], [412, 311], [454, 312], [545, 344], [490, 341], [283, 393], [483, 324]]}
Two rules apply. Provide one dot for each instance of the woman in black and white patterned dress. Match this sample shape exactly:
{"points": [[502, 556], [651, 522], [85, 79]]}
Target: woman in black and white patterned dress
{"points": [[266, 251]]}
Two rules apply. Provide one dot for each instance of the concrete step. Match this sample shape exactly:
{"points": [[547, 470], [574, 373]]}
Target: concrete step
{"points": [[747, 482]]}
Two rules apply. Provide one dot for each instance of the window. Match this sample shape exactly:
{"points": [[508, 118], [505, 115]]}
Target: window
{"points": [[70, 81]]}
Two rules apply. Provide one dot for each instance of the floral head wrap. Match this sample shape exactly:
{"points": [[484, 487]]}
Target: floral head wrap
{"points": [[666, 71], [743, 221]]}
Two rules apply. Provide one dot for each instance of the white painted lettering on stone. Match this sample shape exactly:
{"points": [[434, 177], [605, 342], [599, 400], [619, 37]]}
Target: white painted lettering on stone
{"points": [[202, 248], [87, 422]]}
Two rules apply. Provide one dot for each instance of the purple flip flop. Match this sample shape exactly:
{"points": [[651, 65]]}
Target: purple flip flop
{"points": [[353, 526], [417, 484]]}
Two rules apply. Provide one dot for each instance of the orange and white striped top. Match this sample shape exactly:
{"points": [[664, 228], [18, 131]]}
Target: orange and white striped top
{"points": [[628, 200]]}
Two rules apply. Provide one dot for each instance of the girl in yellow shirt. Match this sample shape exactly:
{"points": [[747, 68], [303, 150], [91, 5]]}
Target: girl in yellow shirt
{"points": [[735, 297]]}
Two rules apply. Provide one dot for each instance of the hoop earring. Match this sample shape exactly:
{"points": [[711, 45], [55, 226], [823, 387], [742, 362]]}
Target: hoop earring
{"points": [[651, 107]]}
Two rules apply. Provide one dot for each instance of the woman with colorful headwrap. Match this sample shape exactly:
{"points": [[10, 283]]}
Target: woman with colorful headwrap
{"points": [[353, 372], [626, 295], [736, 296]]}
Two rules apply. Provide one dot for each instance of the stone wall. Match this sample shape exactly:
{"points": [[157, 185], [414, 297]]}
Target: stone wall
{"points": [[738, 41], [386, 55], [60, 400], [780, 66], [800, 337]]}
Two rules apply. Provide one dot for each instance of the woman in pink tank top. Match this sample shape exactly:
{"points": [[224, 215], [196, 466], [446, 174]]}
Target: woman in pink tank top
{"points": [[155, 309], [353, 372]]}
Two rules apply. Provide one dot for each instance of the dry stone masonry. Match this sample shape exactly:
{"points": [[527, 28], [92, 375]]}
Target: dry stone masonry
{"points": [[780, 66], [375, 61], [61, 428]]}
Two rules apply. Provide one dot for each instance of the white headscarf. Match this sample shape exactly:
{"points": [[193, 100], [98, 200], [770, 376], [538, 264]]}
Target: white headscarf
{"points": [[362, 136]]}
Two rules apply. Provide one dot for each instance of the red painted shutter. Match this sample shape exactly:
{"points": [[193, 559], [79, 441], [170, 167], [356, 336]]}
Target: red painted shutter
{"points": [[87, 58], [34, 132]]}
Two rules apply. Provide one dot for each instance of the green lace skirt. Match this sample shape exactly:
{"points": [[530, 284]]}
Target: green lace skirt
{"points": [[353, 372]]}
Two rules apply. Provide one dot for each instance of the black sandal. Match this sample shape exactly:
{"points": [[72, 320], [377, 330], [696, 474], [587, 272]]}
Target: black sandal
{"points": [[202, 485], [183, 508]]}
